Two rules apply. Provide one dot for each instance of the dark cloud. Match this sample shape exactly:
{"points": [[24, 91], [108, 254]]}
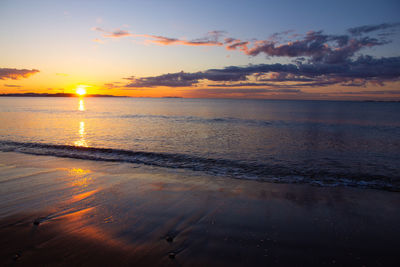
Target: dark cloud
{"points": [[385, 92], [271, 87], [245, 91], [118, 33], [185, 79], [242, 45], [318, 47], [248, 84], [16, 74], [350, 73], [370, 28], [180, 79]]}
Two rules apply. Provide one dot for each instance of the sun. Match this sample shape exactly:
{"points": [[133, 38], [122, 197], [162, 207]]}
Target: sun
{"points": [[81, 91]]}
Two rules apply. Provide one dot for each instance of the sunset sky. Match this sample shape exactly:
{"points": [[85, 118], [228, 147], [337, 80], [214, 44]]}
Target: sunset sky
{"points": [[234, 49]]}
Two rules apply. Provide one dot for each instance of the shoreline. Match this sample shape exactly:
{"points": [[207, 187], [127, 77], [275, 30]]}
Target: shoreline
{"points": [[92, 213]]}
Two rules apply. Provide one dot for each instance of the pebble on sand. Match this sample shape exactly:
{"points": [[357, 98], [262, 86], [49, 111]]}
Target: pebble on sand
{"points": [[171, 255]]}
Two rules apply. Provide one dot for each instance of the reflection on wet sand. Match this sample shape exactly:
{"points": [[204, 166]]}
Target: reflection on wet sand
{"points": [[81, 177], [151, 217]]}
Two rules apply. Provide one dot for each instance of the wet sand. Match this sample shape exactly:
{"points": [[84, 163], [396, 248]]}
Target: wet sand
{"points": [[68, 212]]}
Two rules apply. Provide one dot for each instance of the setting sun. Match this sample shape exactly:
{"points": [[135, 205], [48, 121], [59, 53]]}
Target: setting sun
{"points": [[81, 91]]}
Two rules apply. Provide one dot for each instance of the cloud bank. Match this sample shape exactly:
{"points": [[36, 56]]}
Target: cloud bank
{"points": [[317, 59], [358, 72]]}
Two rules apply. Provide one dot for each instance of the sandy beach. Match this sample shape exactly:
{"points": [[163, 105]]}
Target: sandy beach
{"points": [[58, 211]]}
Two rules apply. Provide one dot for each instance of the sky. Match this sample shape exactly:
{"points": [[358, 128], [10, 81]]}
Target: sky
{"points": [[284, 49]]}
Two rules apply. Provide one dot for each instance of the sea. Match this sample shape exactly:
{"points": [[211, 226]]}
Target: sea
{"points": [[321, 143]]}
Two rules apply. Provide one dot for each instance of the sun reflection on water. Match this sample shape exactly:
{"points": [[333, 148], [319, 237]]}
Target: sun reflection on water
{"points": [[82, 133], [81, 105]]}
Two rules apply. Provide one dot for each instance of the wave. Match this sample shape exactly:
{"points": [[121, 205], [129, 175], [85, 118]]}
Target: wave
{"points": [[277, 173], [194, 119], [335, 125]]}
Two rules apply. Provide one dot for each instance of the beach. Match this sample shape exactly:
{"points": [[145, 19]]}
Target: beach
{"points": [[63, 211], [199, 133]]}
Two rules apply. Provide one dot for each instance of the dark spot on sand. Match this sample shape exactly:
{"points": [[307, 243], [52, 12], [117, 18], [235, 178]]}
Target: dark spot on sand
{"points": [[16, 256], [171, 255], [38, 221]]}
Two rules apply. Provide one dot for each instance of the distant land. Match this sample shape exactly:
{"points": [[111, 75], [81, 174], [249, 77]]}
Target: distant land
{"points": [[54, 95]]}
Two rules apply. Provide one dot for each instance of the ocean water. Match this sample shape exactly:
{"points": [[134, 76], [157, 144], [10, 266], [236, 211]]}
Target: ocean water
{"points": [[324, 143]]}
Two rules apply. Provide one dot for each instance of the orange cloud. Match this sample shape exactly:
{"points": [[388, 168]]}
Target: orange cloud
{"points": [[211, 39], [97, 40]]}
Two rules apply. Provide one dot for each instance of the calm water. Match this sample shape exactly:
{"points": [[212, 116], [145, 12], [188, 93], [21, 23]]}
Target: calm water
{"points": [[325, 143]]}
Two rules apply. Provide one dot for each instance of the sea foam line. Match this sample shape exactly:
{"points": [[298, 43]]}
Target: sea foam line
{"points": [[220, 167]]}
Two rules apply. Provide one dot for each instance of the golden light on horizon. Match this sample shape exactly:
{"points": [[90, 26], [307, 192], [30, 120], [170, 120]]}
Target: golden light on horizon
{"points": [[81, 91]]}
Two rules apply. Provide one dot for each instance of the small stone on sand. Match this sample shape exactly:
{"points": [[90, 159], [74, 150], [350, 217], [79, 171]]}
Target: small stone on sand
{"points": [[16, 256], [171, 255]]}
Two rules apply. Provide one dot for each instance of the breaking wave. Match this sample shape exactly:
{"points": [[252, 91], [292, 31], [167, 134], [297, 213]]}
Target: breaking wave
{"points": [[278, 173]]}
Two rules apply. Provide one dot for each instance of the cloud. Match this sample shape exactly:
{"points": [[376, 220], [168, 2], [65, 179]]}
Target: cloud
{"points": [[16, 74], [246, 91], [97, 40], [112, 85], [359, 72], [180, 79], [384, 92], [250, 90], [161, 40], [243, 93], [236, 43], [247, 84], [12, 85], [314, 46], [211, 39], [370, 28], [317, 46], [117, 33]]}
